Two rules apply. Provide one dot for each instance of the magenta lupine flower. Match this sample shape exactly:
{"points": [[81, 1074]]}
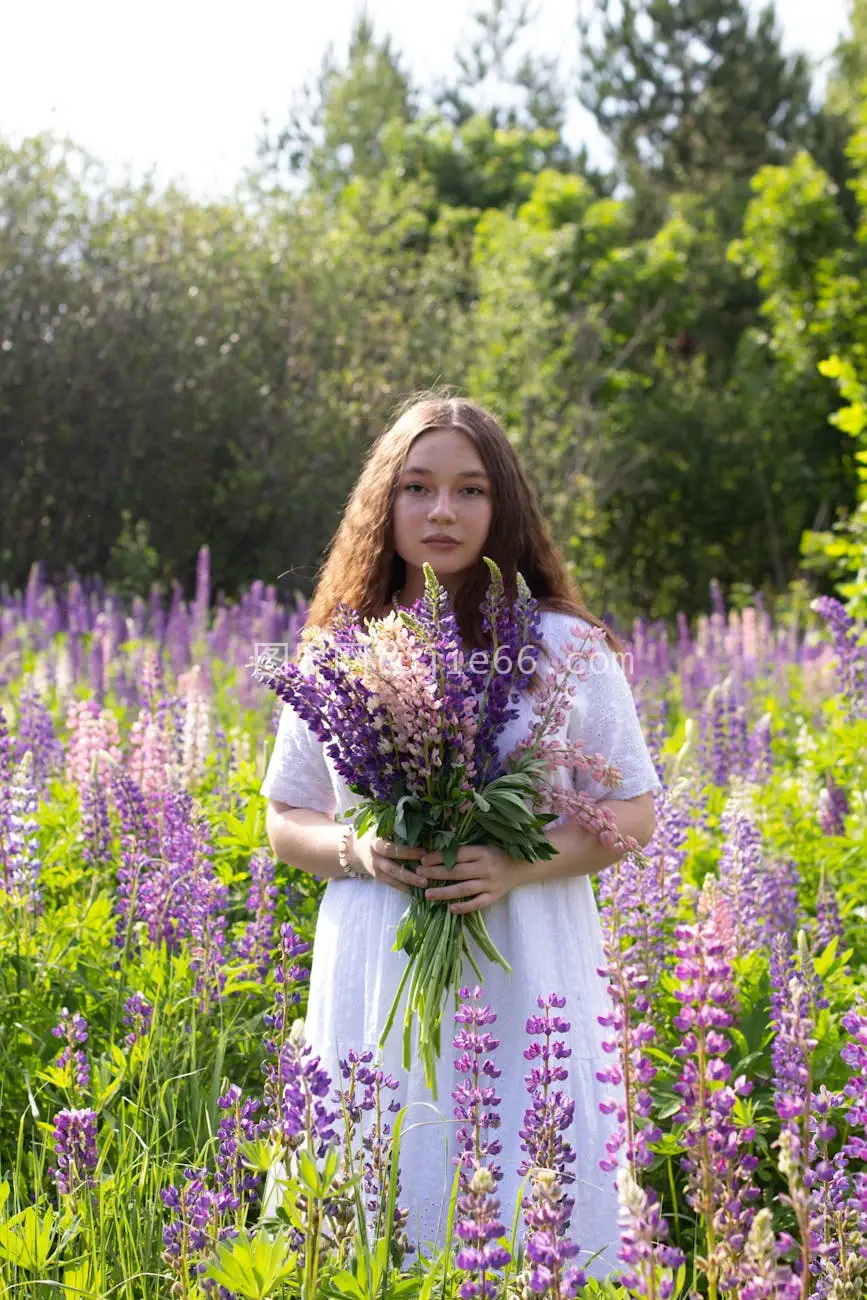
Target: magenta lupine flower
{"points": [[643, 1229], [833, 807], [75, 1150], [257, 942], [73, 1030], [851, 655], [475, 1097], [718, 1161], [138, 1015], [237, 1126], [92, 729], [479, 1229]]}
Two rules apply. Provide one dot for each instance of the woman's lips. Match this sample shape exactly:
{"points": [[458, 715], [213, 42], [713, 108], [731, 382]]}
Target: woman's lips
{"points": [[442, 546]]}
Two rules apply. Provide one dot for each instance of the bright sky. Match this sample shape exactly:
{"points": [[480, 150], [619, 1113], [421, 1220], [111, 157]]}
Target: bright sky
{"points": [[183, 85]]}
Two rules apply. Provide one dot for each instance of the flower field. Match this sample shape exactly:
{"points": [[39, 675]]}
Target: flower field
{"points": [[154, 1077]]}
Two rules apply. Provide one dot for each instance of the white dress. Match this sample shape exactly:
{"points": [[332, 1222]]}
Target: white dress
{"points": [[550, 935]]}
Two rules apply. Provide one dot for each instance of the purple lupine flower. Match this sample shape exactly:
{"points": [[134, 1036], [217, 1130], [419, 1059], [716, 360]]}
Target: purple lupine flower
{"points": [[718, 1161], [761, 754], [296, 1094], [237, 1126], [139, 844], [640, 895], [548, 1271], [479, 1229], [763, 1277], [197, 1224], [724, 738], [778, 898], [643, 1229], [511, 626], [793, 1019], [208, 902], [73, 1030], [833, 807], [358, 1071], [551, 1112], [75, 1150], [851, 655], [203, 590], [288, 972], [741, 876], [632, 1069], [138, 1015], [475, 1097], [548, 1208], [95, 825], [35, 734], [20, 858], [257, 942]]}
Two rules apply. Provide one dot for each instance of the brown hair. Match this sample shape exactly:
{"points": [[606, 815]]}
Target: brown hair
{"points": [[362, 568]]}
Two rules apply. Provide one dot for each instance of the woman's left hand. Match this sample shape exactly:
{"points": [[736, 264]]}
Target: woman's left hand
{"points": [[481, 875]]}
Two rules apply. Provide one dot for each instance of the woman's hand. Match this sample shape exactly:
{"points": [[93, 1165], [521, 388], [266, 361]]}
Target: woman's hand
{"points": [[481, 875], [379, 858]]}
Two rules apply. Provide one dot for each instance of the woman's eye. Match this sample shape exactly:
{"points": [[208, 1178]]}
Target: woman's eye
{"points": [[474, 488], [409, 487]]}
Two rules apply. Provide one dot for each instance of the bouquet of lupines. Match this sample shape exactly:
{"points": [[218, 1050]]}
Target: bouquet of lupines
{"points": [[413, 728]]}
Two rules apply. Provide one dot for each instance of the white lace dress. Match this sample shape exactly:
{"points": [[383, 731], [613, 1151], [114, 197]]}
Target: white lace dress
{"points": [[549, 934]]}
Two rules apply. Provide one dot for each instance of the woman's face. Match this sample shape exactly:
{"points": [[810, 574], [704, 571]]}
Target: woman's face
{"points": [[443, 492]]}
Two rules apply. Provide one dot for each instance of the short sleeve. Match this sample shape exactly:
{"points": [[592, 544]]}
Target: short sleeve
{"points": [[297, 772], [605, 718]]}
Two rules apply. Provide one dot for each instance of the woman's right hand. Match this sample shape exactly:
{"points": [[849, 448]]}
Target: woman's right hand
{"points": [[379, 858]]}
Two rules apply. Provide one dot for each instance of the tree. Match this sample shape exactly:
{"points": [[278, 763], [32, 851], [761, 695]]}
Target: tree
{"points": [[336, 128], [849, 73], [692, 94]]}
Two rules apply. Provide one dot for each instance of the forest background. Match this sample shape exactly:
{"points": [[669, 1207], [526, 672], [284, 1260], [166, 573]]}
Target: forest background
{"points": [[677, 344]]}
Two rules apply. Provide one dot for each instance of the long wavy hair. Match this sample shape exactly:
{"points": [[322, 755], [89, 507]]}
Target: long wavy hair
{"points": [[362, 568]]}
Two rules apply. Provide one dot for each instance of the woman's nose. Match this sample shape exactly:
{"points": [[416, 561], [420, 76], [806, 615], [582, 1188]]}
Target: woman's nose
{"points": [[442, 506]]}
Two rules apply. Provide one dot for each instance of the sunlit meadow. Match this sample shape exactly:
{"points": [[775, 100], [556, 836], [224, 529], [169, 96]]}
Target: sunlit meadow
{"points": [[153, 959]]}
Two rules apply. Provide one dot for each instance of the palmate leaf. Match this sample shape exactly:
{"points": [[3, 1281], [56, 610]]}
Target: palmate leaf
{"points": [[252, 1266]]}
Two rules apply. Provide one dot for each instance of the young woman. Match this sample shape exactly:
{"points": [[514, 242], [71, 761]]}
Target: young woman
{"points": [[444, 485]]}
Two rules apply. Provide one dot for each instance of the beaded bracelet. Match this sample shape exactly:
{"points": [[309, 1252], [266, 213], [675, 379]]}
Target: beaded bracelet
{"points": [[343, 856]]}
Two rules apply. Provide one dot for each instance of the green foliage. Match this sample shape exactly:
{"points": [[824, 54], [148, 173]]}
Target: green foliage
{"points": [[218, 370]]}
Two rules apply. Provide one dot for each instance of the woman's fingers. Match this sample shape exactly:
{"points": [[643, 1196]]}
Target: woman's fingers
{"points": [[388, 849], [471, 905], [460, 889], [460, 871], [390, 870]]}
